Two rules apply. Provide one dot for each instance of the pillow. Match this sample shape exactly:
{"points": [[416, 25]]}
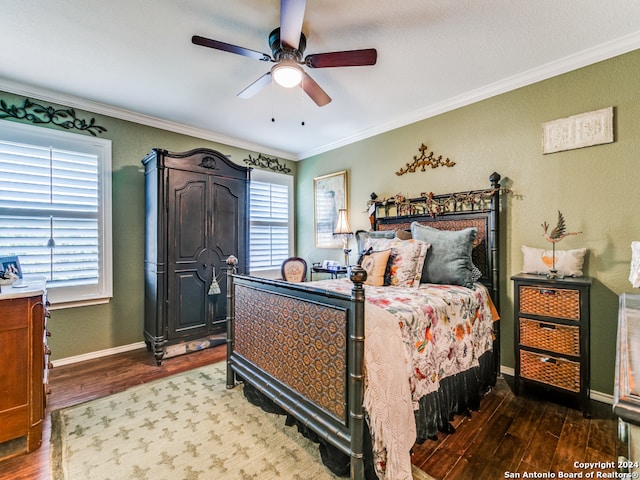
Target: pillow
{"points": [[406, 260], [362, 236], [449, 261], [375, 264], [403, 234], [634, 272], [476, 274], [569, 263]]}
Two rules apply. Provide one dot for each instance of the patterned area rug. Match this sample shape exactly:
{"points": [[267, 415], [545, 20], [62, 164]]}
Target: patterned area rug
{"points": [[184, 427]]}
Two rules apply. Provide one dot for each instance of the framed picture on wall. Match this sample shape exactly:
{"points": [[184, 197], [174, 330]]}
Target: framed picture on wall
{"points": [[11, 263], [330, 195]]}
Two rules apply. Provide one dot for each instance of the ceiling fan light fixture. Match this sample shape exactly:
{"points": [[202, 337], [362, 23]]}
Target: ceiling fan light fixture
{"points": [[287, 74]]}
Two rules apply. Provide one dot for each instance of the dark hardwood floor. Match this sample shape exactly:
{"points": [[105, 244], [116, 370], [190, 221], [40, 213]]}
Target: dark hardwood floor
{"points": [[511, 435], [508, 434]]}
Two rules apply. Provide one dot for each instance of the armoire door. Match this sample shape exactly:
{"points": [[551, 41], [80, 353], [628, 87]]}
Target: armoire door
{"points": [[188, 256], [227, 237]]}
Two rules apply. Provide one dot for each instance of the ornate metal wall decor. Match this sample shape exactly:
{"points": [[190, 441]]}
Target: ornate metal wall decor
{"points": [[36, 113], [434, 205], [423, 161], [266, 162]]}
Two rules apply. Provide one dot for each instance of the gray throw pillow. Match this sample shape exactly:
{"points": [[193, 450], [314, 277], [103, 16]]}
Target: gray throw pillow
{"points": [[362, 236], [449, 260]]}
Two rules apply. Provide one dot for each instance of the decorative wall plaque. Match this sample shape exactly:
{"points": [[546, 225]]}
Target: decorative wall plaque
{"points": [[578, 131], [422, 161]]}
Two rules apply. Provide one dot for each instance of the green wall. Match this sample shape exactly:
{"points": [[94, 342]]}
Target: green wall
{"points": [[81, 330], [594, 187]]}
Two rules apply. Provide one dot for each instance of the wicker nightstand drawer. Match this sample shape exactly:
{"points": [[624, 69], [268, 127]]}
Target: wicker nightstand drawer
{"points": [[550, 370], [550, 302], [562, 339], [551, 334]]}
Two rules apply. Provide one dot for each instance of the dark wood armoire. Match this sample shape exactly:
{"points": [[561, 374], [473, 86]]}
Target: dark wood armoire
{"points": [[196, 216]]}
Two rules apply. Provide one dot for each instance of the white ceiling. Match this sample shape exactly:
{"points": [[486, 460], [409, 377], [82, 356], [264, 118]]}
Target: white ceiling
{"points": [[134, 59]]}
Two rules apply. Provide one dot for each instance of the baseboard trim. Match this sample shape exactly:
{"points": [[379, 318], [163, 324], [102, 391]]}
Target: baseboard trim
{"points": [[601, 397], [593, 395], [98, 354], [508, 371]]}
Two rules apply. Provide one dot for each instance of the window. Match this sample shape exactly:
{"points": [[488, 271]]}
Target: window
{"points": [[55, 210], [271, 221]]}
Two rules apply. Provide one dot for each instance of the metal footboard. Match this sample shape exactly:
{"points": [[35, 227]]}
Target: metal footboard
{"points": [[303, 348]]}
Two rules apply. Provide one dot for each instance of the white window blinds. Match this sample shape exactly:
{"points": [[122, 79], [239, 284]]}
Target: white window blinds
{"points": [[51, 216], [270, 225], [49, 205]]}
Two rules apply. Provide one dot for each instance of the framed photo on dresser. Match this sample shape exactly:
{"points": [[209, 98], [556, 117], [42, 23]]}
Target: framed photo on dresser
{"points": [[11, 263]]}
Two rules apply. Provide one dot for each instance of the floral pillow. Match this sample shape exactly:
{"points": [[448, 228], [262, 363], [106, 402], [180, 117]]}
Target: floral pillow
{"points": [[406, 260]]}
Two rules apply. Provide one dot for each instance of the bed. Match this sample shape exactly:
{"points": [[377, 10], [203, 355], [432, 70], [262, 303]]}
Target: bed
{"points": [[319, 350]]}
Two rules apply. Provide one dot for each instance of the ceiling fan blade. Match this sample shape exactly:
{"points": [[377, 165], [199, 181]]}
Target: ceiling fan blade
{"points": [[291, 17], [227, 47], [348, 58], [314, 90], [256, 86]]}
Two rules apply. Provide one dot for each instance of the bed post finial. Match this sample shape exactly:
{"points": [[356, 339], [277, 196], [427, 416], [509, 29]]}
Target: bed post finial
{"points": [[358, 275], [494, 178], [232, 263]]}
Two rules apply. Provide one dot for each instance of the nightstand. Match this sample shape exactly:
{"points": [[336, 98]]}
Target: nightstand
{"points": [[335, 272], [551, 334]]}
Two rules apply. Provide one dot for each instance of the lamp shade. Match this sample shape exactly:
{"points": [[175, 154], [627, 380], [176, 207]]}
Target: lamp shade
{"points": [[342, 225]]}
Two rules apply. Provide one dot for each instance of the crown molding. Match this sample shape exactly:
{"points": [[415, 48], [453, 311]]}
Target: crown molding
{"points": [[131, 116], [587, 57]]}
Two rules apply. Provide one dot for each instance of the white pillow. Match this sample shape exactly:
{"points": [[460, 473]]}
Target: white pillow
{"points": [[634, 274], [569, 263]]}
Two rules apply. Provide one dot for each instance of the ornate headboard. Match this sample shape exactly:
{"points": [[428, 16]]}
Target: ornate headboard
{"points": [[452, 211]]}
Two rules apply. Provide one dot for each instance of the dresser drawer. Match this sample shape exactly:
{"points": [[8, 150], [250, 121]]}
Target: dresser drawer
{"points": [[562, 339], [558, 372], [550, 302]]}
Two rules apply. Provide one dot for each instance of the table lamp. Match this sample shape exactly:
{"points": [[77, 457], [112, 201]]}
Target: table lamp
{"points": [[343, 228]]}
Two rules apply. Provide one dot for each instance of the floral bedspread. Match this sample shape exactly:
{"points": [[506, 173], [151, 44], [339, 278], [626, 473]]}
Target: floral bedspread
{"points": [[445, 328]]}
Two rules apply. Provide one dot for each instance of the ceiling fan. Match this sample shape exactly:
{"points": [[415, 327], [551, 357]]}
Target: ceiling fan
{"points": [[287, 46]]}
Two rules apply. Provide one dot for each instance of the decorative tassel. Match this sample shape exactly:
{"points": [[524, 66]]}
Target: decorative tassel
{"points": [[214, 289]]}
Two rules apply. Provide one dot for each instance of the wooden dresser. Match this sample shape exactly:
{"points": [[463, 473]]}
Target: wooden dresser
{"points": [[551, 329], [23, 363]]}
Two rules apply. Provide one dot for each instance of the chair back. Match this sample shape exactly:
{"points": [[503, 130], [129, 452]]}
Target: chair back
{"points": [[294, 269]]}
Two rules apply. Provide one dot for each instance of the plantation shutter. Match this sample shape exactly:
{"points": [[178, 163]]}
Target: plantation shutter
{"points": [[269, 225], [49, 201]]}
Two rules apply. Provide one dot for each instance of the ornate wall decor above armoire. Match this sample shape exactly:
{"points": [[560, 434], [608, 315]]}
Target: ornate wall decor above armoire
{"points": [[196, 216]]}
